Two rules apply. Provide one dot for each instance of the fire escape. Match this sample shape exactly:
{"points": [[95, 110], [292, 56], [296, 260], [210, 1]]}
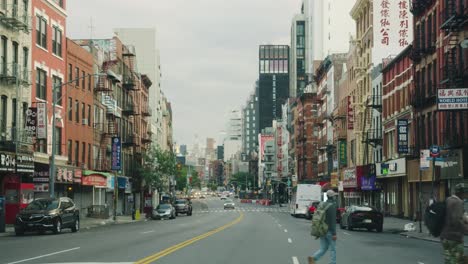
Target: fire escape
{"points": [[131, 87], [372, 136], [455, 71]]}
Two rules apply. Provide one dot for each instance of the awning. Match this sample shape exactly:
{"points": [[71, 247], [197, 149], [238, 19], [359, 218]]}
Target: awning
{"points": [[90, 172]]}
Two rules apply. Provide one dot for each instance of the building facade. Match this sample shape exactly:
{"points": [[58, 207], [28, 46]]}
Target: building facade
{"points": [[250, 120], [298, 56]]}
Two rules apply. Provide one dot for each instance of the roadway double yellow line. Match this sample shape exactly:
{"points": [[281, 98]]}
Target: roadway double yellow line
{"points": [[174, 248]]}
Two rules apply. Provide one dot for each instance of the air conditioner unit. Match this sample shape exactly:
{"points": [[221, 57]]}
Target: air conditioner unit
{"points": [[84, 121]]}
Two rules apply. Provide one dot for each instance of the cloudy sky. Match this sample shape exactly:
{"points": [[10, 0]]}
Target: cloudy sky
{"points": [[209, 49]]}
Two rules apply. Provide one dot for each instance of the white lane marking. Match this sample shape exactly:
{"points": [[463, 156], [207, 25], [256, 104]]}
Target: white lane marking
{"points": [[346, 233], [147, 232], [295, 261], [285, 230], [289, 240], [43, 256], [419, 262]]}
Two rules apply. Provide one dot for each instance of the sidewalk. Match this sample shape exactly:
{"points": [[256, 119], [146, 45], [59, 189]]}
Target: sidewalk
{"points": [[87, 223], [397, 226]]}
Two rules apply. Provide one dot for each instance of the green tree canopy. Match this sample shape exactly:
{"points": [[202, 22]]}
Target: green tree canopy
{"points": [[157, 166], [240, 180]]}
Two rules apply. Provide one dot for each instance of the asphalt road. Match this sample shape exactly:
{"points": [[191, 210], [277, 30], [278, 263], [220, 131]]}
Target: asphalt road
{"points": [[248, 234]]}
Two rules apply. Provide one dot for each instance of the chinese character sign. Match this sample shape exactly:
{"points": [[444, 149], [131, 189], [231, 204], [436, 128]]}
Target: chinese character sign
{"points": [[402, 134], [342, 149], [41, 124], [350, 113], [116, 153], [452, 99], [31, 119], [392, 28]]}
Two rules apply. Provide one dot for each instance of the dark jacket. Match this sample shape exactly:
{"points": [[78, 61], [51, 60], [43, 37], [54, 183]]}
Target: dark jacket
{"points": [[331, 217], [454, 226]]}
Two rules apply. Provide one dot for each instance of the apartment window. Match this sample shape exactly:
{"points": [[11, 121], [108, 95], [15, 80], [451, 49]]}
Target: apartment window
{"points": [[77, 152], [69, 150], [59, 2], [89, 83], [89, 115], [70, 109], [70, 72], [3, 115], [57, 86], [58, 140], [41, 145], [25, 59], [41, 31], [83, 152], [77, 111], [13, 117], [83, 110], [3, 56], [77, 76], [15, 58], [57, 41], [41, 84], [89, 155], [83, 81], [434, 74]]}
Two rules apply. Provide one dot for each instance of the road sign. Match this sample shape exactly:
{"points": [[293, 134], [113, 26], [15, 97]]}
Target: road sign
{"points": [[435, 150], [423, 162], [436, 159]]}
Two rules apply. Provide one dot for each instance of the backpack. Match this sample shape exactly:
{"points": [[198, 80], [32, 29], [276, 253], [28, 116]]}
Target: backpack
{"points": [[434, 218], [319, 223]]}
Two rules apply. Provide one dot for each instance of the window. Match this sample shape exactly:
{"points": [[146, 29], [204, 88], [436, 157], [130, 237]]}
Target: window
{"points": [[77, 76], [70, 72], [89, 82], [57, 86], [3, 116], [89, 115], [89, 155], [41, 32], [83, 110], [13, 117], [83, 152], [15, 58], [77, 111], [77, 152], [58, 140], [70, 109], [41, 145], [57, 41], [83, 81], [41, 84], [3, 56], [25, 60], [69, 150]]}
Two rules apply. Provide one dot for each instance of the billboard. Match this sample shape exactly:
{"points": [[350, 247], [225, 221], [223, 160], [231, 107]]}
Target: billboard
{"points": [[452, 99], [392, 26]]}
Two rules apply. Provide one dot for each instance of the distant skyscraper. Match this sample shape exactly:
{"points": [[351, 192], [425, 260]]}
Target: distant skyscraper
{"points": [[273, 82], [183, 150], [250, 123], [220, 152]]}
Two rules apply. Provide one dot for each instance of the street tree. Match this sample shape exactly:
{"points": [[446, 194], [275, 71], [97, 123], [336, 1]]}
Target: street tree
{"points": [[158, 166]]}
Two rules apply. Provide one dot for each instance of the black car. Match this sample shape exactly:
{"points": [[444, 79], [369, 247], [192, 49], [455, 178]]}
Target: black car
{"points": [[183, 206], [362, 217], [48, 214]]}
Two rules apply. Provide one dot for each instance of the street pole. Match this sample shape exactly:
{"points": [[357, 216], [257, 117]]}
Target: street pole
{"points": [[116, 195], [420, 200], [52, 156], [433, 179]]}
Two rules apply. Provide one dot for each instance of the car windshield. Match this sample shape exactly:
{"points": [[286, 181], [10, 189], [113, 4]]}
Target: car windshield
{"points": [[228, 201], [180, 202], [43, 204], [163, 206]]}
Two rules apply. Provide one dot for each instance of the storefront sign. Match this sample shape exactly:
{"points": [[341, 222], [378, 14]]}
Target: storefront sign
{"points": [[452, 99], [77, 175], [41, 127], [349, 178], [351, 195], [41, 187], [391, 168], [116, 153], [368, 183], [402, 134], [452, 166], [22, 163], [350, 110], [424, 163], [7, 161], [94, 180], [334, 180], [122, 182], [110, 183], [64, 175], [31, 121], [342, 149]]}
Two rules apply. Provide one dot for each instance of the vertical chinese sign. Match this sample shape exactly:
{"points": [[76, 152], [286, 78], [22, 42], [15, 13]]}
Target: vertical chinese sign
{"points": [[116, 153], [41, 127], [385, 22], [350, 111], [402, 134], [342, 150], [404, 23], [31, 121]]}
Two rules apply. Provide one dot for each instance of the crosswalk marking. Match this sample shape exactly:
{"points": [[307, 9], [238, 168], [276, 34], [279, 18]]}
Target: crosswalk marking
{"points": [[241, 209]]}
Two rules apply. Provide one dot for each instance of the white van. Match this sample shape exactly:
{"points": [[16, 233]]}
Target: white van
{"points": [[302, 196]]}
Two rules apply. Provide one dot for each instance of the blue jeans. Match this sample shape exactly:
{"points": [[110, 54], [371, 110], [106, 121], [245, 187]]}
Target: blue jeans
{"points": [[326, 242]]}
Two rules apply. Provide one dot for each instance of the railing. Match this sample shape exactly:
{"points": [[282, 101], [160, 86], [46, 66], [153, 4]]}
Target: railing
{"points": [[374, 101], [102, 84], [15, 18], [130, 81], [454, 15], [129, 108], [12, 72]]}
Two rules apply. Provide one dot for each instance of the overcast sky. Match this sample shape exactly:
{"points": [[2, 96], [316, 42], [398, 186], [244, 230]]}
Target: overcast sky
{"points": [[209, 49]]}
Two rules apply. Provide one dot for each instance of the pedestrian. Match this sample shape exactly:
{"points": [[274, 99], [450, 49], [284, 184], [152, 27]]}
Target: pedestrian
{"points": [[328, 241], [454, 227]]}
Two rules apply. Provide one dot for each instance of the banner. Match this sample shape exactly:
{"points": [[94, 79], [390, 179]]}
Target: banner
{"points": [[116, 153], [31, 121], [343, 152], [350, 111], [41, 125], [452, 99], [402, 135], [349, 178]]}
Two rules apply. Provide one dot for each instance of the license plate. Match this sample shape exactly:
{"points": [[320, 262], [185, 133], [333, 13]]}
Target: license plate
{"points": [[367, 221]]}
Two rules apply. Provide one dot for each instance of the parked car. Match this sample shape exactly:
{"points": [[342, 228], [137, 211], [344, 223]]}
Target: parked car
{"points": [[311, 210], [229, 204], [164, 211], [362, 217], [339, 212], [183, 206], [223, 197], [48, 214]]}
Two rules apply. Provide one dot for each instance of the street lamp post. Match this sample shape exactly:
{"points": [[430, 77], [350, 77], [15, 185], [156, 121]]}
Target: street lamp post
{"points": [[54, 134]]}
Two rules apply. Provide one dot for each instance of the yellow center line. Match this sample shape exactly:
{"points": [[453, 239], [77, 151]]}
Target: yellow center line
{"points": [[181, 245]]}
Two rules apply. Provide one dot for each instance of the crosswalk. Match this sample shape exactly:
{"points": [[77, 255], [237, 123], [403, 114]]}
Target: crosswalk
{"points": [[245, 210]]}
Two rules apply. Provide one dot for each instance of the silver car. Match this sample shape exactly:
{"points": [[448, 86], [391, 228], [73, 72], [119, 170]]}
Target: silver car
{"points": [[164, 211], [229, 204]]}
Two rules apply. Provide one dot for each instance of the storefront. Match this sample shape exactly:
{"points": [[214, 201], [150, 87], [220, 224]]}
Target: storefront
{"points": [[370, 191], [391, 175], [16, 182], [351, 194]]}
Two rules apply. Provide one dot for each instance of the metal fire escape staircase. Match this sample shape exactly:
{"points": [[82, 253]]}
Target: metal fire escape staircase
{"points": [[372, 136]]}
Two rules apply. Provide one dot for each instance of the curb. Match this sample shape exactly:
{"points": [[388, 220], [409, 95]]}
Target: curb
{"points": [[424, 238]]}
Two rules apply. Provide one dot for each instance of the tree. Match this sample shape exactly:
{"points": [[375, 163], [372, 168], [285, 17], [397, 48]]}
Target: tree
{"points": [[157, 166], [240, 179], [182, 178]]}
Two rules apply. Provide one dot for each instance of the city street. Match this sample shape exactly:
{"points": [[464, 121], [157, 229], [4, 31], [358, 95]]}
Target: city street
{"points": [[248, 234]]}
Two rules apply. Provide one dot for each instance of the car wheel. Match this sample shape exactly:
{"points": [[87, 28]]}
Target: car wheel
{"points": [[19, 231], [176, 214], [349, 226], [57, 226], [76, 225], [380, 229]]}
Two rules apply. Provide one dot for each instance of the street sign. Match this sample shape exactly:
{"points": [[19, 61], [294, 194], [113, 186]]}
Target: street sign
{"points": [[423, 162], [435, 150], [116, 153], [289, 182], [436, 159]]}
